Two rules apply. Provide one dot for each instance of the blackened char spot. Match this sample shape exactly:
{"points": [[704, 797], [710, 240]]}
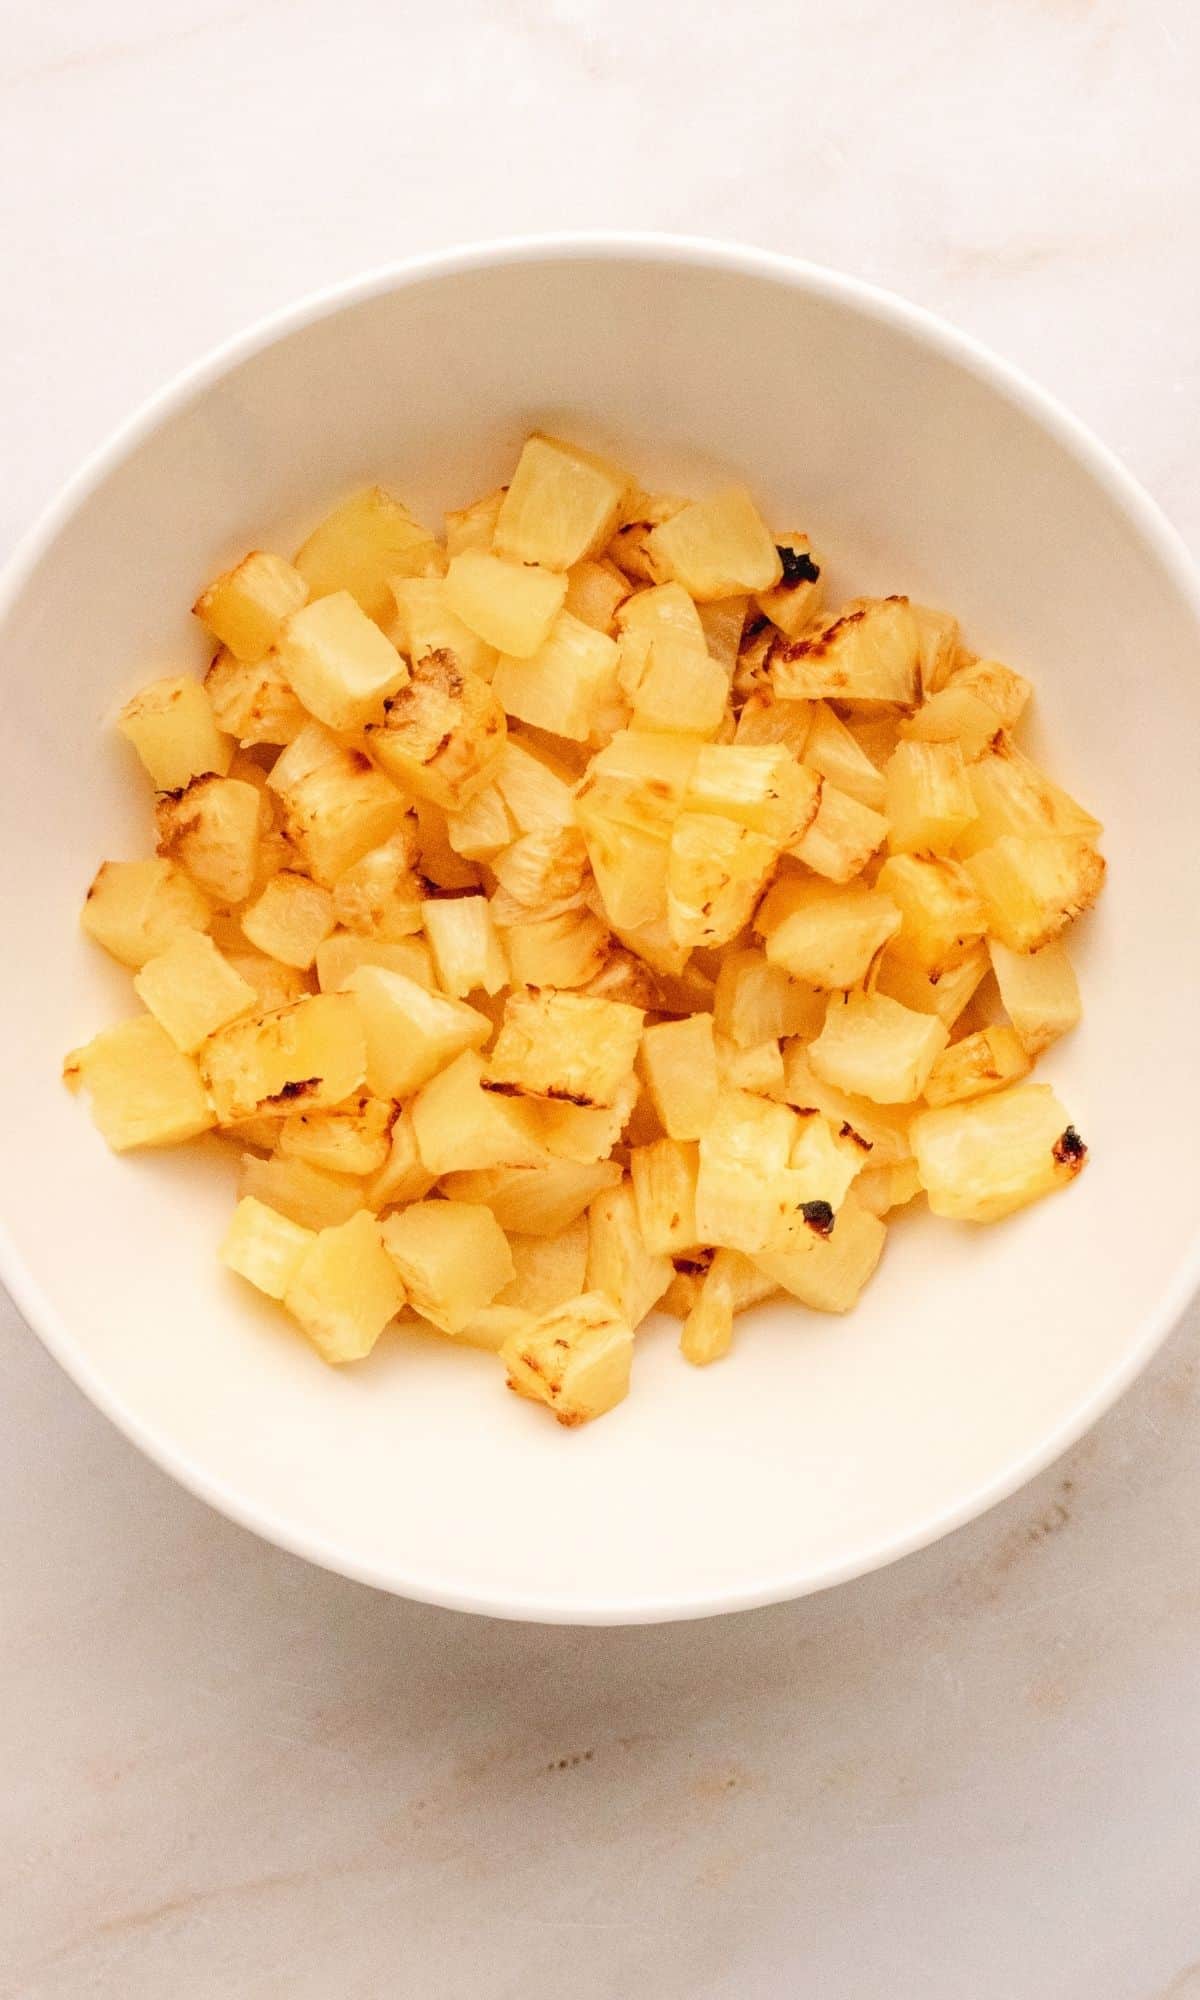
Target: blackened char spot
{"points": [[819, 1216], [798, 567], [1069, 1150]]}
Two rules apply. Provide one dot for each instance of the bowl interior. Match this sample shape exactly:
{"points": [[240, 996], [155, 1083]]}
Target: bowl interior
{"points": [[822, 1446]]}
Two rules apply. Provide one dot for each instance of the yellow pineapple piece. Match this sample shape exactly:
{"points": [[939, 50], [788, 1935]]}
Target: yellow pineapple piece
{"points": [[944, 991], [345, 1289], [246, 606], [192, 990], [707, 1332], [491, 1326], [252, 701], [403, 1177], [938, 640], [565, 951], [744, 1190], [437, 861], [841, 838], [467, 954], [311, 1052], [290, 918], [581, 1132], [665, 607], [759, 785], [640, 779], [575, 1359], [828, 1272], [379, 896], [1013, 797], [171, 726], [716, 548], [629, 548], [869, 653], [723, 622], [941, 917], [350, 1138], [338, 661], [619, 1265], [340, 811], [877, 1048], [758, 1067], [565, 1045], [981, 1160], [452, 1257], [1003, 690], [315, 745], [755, 1001], [542, 869], [824, 935], [881, 1128], [563, 505], [825, 1161], [462, 1126], [1039, 992], [953, 715], [442, 735], [566, 684], [473, 527], [343, 953], [547, 1270], [273, 984], [144, 1091], [987, 1060], [535, 796], [1032, 889], [424, 623], [678, 1062], [480, 828], [671, 680], [306, 1194], [411, 1033], [664, 1176], [796, 600], [136, 909], [510, 605], [213, 829], [265, 1247], [629, 865], [534, 1201], [595, 591], [358, 548], [881, 1189], [716, 872], [830, 749], [763, 718], [929, 802]]}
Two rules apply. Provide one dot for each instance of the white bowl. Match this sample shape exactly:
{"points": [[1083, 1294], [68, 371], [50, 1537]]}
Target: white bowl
{"points": [[822, 1447]]}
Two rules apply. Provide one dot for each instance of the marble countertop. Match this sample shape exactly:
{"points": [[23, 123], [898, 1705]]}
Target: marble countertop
{"points": [[226, 1774]]}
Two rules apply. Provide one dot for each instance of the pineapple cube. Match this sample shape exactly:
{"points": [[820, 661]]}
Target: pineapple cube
{"points": [[379, 896], [629, 865], [707, 1332], [424, 623], [213, 829], [562, 506], [716, 872], [313, 1050], [171, 726], [144, 1091], [314, 746], [757, 1068], [437, 862], [629, 548], [640, 779], [716, 548], [306, 1194], [442, 734], [403, 1177], [565, 1045], [192, 990], [461, 1126], [881, 1189], [595, 590], [575, 1359], [1033, 888], [824, 935], [480, 828], [534, 796], [1003, 690], [452, 1257], [744, 1190], [941, 916], [473, 527], [265, 1247], [671, 679], [984, 1061], [290, 919], [929, 802], [579, 1132], [877, 1048], [723, 623], [941, 992], [664, 608], [981, 1160], [619, 1264], [830, 749], [411, 1033], [824, 1161], [869, 653], [273, 985], [664, 1176], [343, 953], [547, 1270], [766, 719], [535, 1201], [543, 868], [345, 1289], [841, 838], [1012, 796], [1039, 992], [755, 1001], [938, 638], [566, 684], [760, 785], [246, 606], [358, 548], [136, 909], [953, 715], [350, 1138], [340, 811], [491, 1326], [338, 661], [564, 951], [828, 1272], [510, 605], [881, 1128], [796, 600], [467, 954], [252, 701], [678, 1062]]}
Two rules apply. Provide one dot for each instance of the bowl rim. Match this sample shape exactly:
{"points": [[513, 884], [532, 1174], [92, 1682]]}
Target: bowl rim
{"points": [[616, 246]]}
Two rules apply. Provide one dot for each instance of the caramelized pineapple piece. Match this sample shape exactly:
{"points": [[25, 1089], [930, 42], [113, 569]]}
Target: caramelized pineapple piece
{"points": [[1013, 797], [350, 1138], [467, 955], [543, 869], [981, 1160], [535, 1201], [881, 1189], [252, 701], [563, 505], [339, 812], [982, 1062], [929, 802], [755, 1001], [1003, 690], [757, 1067], [442, 735], [171, 726], [744, 1190], [136, 909], [380, 896], [273, 984], [403, 1177], [716, 872], [828, 1271], [480, 828], [944, 991], [452, 1257], [343, 953], [823, 935], [345, 1289], [664, 1176], [796, 600], [825, 1161], [424, 623], [564, 951], [938, 640], [941, 916], [290, 919], [581, 1132], [312, 1051], [619, 1265], [716, 548], [671, 680], [213, 828], [678, 1062], [264, 1247], [547, 1270], [953, 715], [411, 1033], [461, 1126], [707, 1331], [510, 605], [144, 1091], [877, 1048], [763, 718], [575, 1359], [246, 606], [473, 527], [1032, 889], [306, 1194], [566, 685], [841, 838], [595, 591], [338, 661], [358, 548], [565, 1045], [882, 1128], [1039, 991], [759, 785], [831, 750], [192, 990], [869, 653], [535, 796]]}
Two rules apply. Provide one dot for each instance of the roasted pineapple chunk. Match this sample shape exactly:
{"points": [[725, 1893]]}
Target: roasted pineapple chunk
{"points": [[938, 639], [171, 726], [744, 1190], [716, 548], [467, 954], [796, 600], [144, 1091], [343, 953], [755, 1001], [442, 735], [309, 1195], [828, 1272], [841, 837], [473, 527], [252, 701], [424, 623], [824, 935], [265, 1247], [192, 990], [1003, 690], [583, 1132], [410, 1033], [1012, 796], [565, 1045], [562, 506], [716, 872], [312, 1052], [379, 896], [678, 1061], [830, 749], [825, 1160], [595, 591], [929, 802], [944, 993], [669, 678], [246, 606], [575, 1359], [707, 1331], [547, 1270], [984, 1061], [273, 984], [349, 1138], [763, 718], [877, 1048], [339, 662], [565, 951], [403, 1177], [869, 653], [619, 1264], [566, 685], [543, 869], [510, 605], [290, 919], [213, 828], [452, 1257], [981, 1160], [1039, 991], [881, 1189], [941, 917], [338, 812], [759, 785], [460, 1126], [135, 909], [1032, 889], [358, 548], [535, 1201], [758, 1068], [345, 1289], [882, 1129], [664, 1176]]}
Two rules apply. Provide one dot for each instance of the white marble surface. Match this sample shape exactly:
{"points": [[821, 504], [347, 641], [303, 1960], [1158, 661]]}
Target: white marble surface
{"points": [[225, 1774]]}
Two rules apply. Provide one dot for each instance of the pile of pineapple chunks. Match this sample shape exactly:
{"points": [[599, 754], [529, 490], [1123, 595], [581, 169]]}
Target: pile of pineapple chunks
{"points": [[572, 915]]}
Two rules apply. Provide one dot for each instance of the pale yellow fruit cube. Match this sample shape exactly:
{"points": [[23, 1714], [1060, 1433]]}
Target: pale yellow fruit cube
{"points": [[1032, 889], [619, 1265], [828, 1271], [410, 1033], [135, 909], [547, 1270], [796, 600], [452, 1256], [1039, 991], [473, 527], [343, 953], [981, 1160], [579, 1132], [1002, 689], [461, 1126], [534, 1201], [985, 1061], [424, 623], [841, 837], [290, 919], [403, 1177], [338, 661], [595, 591], [252, 701], [929, 802], [630, 865], [764, 718], [758, 1067], [717, 547], [832, 750], [716, 873], [576, 1359], [678, 1062], [510, 605], [535, 795], [467, 954], [192, 990], [953, 715], [877, 1048], [340, 811], [144, 1091], [672, 682], [1013, 797], [380, 896], [345, 1289], [265, 1247], [938, 640], [760, 785], [565, 1045], [755, 1001], [350, 1138], [213, 828], [825, 1161], [565, 951], [664, 1176], [744, 1190], [274, 985], [437, 861], [442, 735], [881, 1189], [480, 828], [883, 1127], [824, 935], [358, 548], [869, 653], [707, 1332], [308, 1195], [566, 685], [944, 992], [312, 1052], [562, 505], [246, 606], [171, 726], [941, 916]]}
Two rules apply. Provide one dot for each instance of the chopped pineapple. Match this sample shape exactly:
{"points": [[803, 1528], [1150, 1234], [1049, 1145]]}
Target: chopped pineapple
{"points": [[461, 1126], [411, 1033], [544, 868], [929, 802], [937, 633], [796, 600], [830, 749], [443, 734], [881, 1128], [566, 685], [565, 951], [265, 1247], [212, 828], [583, 1132], [274, 985], [716, 548], [345, 1289], [403, 1177], [668, 677], [452, 1257], [512, 606], [565, 1045], [941, 992], [759, 785], [825, 1160], [722, 623], [339, 662], [136, 909], [953, 715], [1032, 889], [1039, 991], [548, 1271], [678, 1061], [841, 838], [1013, 797], [763, 718], [424, 623], [877, 1048], [563, 505], [595, 591], [144, 1091], [824, 935], [576, 1359], [380, 896], [619, 1265], [358, 548], [350, 1138], [716, 872], [984, 1061], [467, 954], [192, 990], [744, 1190], [245, 608], [881, 1189], [755, 1001], [758, 1067], [664, 1176], [290, 919], [535, 797], [707, 1331], [941, 916], [252, 701], [312, 1051], [343, 953], [340, 811], [480, 828], [828, 1272], [306, 1194], [473, 527], [171, 726], [981, 1160], [535, 1201], [869, 653], [1003, 690]]}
